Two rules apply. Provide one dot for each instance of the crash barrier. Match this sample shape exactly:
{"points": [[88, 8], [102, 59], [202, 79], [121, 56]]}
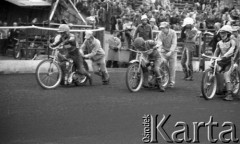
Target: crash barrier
{"points": [[33, 40]]}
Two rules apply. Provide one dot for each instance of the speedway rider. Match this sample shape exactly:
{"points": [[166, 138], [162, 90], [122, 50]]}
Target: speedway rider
{"points": [[226, 49], [69, 43], [154, 53]]}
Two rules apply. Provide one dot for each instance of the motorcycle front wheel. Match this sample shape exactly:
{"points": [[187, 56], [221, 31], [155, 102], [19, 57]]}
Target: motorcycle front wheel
{"points": [[48, 74], [134, 77], [209, 84]]}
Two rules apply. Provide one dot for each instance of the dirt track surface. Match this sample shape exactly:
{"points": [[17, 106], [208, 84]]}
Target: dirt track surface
{"points": [[102, 114]]}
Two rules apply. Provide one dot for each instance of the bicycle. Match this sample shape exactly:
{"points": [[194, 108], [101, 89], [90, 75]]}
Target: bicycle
{"points": [[210, 80]]}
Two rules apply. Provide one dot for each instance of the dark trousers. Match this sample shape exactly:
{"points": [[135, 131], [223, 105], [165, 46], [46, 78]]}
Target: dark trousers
{"points": [[186, 62], [78, 62]]}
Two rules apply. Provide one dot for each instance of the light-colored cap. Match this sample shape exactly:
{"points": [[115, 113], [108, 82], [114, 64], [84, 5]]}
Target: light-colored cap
{"points": [[152, 20], [163, 24], [144, 17], [226, 28], [88, 34], [188, 21]]}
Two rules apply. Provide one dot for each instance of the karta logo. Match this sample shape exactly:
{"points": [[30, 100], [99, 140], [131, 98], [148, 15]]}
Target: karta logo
{"points": [[154, 128]]}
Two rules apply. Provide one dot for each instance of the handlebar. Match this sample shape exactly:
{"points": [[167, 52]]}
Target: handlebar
{"points": [[211, 57], [137, 51]]}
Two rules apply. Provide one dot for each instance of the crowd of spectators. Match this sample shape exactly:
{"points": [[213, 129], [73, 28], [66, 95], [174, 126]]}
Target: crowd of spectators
{"points": [[121, 15], [113, 14]]}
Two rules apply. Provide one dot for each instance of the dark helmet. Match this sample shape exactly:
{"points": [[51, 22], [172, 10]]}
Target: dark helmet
{"points": [[138, 43]]}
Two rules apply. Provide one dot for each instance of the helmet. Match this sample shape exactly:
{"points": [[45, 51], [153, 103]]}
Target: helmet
{"points": [[144, 17], [63, 28], [226, 28], [188, 21], [138, 42]]}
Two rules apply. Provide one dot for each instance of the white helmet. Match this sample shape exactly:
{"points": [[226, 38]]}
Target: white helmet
{"points": [[188, 21], [144, 17], [226, 28]]}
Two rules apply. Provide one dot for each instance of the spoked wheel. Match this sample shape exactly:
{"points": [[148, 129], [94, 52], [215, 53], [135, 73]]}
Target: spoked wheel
{"points": [[17, 52], [209, 84], [235, 82], [48, 74], [165, 73], [134, 77]]}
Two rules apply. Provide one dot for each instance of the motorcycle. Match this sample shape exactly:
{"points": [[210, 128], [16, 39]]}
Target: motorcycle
{"points": [[52, 72], [213, 82], [134, 74]]}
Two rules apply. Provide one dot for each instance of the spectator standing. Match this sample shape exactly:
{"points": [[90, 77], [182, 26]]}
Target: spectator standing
{"points": [[137, 18], [144, 30], [226, 18], [5, 34], [216, 37], [235, 13], [210, 21], [161, 18], [13, 35], [102, 15], [154, 27], [113, 52], [190, 33], [236, 36]]}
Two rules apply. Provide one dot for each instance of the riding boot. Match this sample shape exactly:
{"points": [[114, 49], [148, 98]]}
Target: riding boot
{"points": [[105, 78], [161, 88], [229, 92]]}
